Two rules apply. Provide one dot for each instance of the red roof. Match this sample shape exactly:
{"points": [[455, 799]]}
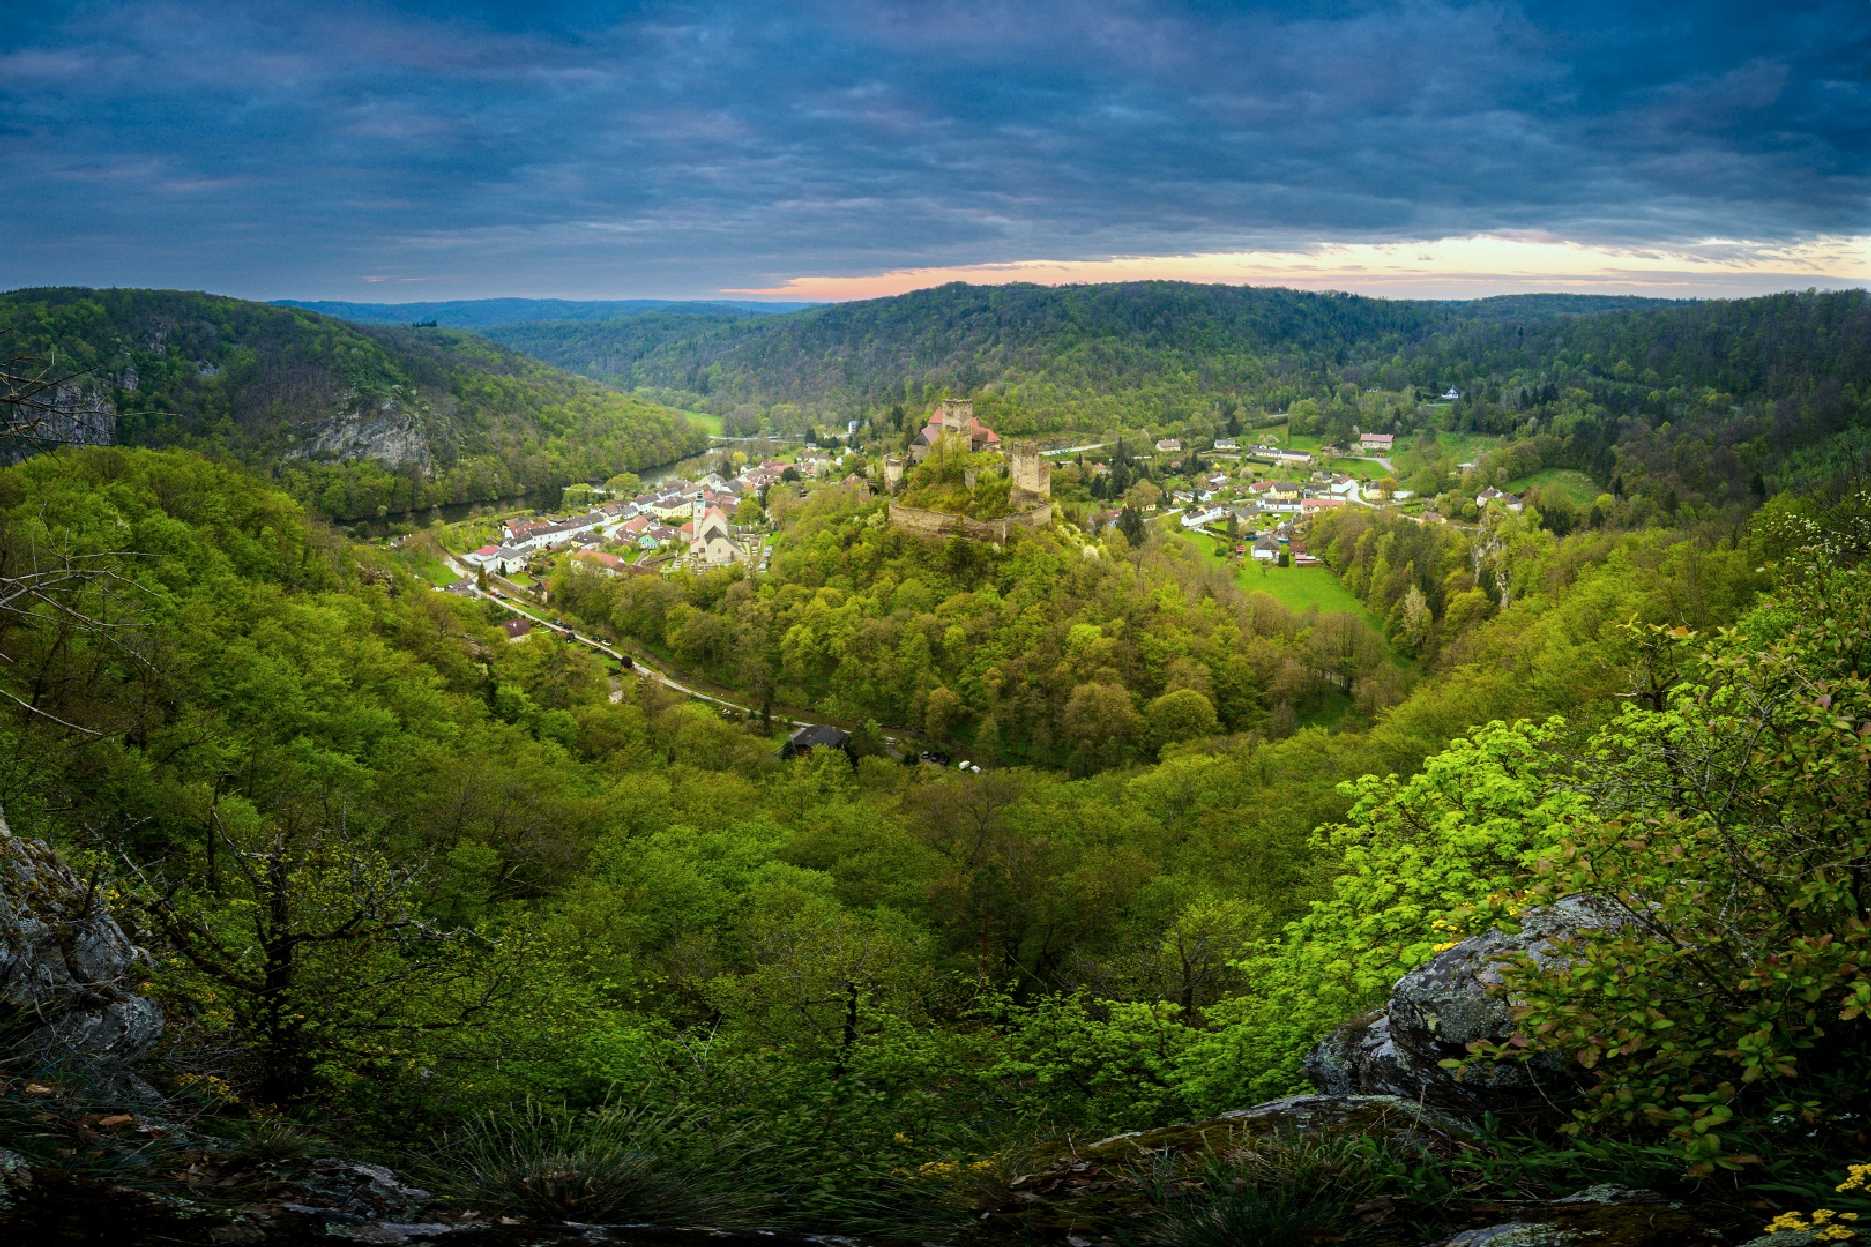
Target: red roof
{"points": [[486, 550]]}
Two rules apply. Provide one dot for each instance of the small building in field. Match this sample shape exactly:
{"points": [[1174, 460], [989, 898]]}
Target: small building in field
{"points": [[1267, 550], [1376, 441]]}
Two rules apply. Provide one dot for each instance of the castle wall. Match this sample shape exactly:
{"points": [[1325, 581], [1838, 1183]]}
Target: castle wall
{"points": [[945, 523]]}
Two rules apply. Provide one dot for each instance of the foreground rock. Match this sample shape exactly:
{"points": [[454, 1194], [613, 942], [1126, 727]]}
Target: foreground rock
{"points": [[1437, 1010], [67, 970], [1601, 1216], [1095, 1195]]}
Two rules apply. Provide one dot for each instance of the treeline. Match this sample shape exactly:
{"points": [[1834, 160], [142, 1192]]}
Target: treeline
{"points": [[1084, 357], [357, 421]]}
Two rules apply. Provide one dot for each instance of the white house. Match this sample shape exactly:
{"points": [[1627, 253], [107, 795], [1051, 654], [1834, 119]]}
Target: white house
{"points": [[1451, 394], [1491, 495], [1201, 519], [1267, 550]]}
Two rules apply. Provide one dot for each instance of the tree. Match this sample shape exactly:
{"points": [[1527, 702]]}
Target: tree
{"points": [[1178, 716], [943, 714], [1102, 724], [320, 945], [1130, 523]]}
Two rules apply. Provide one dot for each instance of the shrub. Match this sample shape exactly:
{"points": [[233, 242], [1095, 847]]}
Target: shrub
{"points": [[612, 1163]]}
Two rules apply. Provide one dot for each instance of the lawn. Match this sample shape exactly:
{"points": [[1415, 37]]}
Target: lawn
{"points": [[1362, 469], [1570, 483], [1296, 588], [433, 570], [705, 421], [1461, 447], [1281, 435]]}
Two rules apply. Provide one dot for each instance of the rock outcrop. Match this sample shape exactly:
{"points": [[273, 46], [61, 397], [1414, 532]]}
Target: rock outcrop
{"points": [[68, 972], [1437, 1010], [385, 430]]}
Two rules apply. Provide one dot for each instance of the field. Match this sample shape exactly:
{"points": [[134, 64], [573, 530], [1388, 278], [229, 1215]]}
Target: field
{"points": [[1296, 588], [1461, 447], [707, 422], [1570, 483]]}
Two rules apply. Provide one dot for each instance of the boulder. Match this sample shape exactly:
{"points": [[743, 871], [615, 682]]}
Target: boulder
{"points": [[1437, 1010], [1599, 1216], [67, 970]]}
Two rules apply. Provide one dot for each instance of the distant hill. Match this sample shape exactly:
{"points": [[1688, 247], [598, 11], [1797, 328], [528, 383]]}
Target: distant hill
{"points": [[485, 313], [1047, 357], [360, 420]]}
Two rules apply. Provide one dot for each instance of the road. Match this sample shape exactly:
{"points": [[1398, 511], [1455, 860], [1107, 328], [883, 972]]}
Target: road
{"points": [[1073, 450], [630, 663], [896, 737]]}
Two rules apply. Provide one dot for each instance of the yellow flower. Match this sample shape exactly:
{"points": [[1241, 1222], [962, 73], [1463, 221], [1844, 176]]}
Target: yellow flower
{"points": [[1857, 1178], [900, 1137]]}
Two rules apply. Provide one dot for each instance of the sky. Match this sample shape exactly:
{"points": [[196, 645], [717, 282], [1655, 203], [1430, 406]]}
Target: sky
{"points": [[804, 150]]}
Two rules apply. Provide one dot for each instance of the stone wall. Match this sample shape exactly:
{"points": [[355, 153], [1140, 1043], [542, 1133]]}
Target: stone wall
{"points": [[948, 524]]}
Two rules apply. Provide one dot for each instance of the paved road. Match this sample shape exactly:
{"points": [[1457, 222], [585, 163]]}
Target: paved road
{"points": [[1073, 450]]}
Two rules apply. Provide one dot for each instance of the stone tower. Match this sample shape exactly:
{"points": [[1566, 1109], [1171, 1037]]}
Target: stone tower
{"points": [[955, 414], [1031, 475]]}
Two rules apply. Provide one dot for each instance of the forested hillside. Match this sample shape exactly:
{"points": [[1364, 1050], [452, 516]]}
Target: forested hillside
{"points": [[1059, 357], [1715, 404], [357, 420], [858, 996]]}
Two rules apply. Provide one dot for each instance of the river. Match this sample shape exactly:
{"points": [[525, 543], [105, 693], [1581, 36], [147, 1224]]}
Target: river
{"points": [[535, 500]]}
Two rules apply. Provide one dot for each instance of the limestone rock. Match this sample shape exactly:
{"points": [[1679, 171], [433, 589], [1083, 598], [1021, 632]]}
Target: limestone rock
{"points": [[1515, 1234], [384, 429], [1437, 1010], [67, 970]]}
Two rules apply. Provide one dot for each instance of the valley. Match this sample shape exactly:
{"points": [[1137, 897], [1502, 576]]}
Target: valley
{"points": [[910, 800]]}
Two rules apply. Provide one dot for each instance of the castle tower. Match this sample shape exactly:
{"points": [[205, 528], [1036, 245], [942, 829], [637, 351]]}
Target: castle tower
{"points": [[1031, 475], [955, 414]]}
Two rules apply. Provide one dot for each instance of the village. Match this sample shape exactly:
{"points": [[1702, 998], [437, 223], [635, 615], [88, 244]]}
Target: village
{"points": [[1253, 498]]}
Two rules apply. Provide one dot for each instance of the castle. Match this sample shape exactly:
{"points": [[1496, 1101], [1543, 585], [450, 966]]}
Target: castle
{"points": [[1029, 478]]}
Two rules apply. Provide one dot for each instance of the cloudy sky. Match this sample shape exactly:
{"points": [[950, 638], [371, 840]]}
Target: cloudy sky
{"points": [[839, 150]]}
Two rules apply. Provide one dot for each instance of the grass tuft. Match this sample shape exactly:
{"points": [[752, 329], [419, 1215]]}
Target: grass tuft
{"points": [[615, 1163]]}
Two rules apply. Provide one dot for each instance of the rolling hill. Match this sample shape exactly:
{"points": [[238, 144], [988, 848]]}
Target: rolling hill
{"points": [[359, 420], [1088, 357]]}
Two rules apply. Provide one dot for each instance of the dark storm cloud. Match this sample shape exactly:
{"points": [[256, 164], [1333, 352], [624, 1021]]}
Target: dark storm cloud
{"points": [[420, 151]]}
